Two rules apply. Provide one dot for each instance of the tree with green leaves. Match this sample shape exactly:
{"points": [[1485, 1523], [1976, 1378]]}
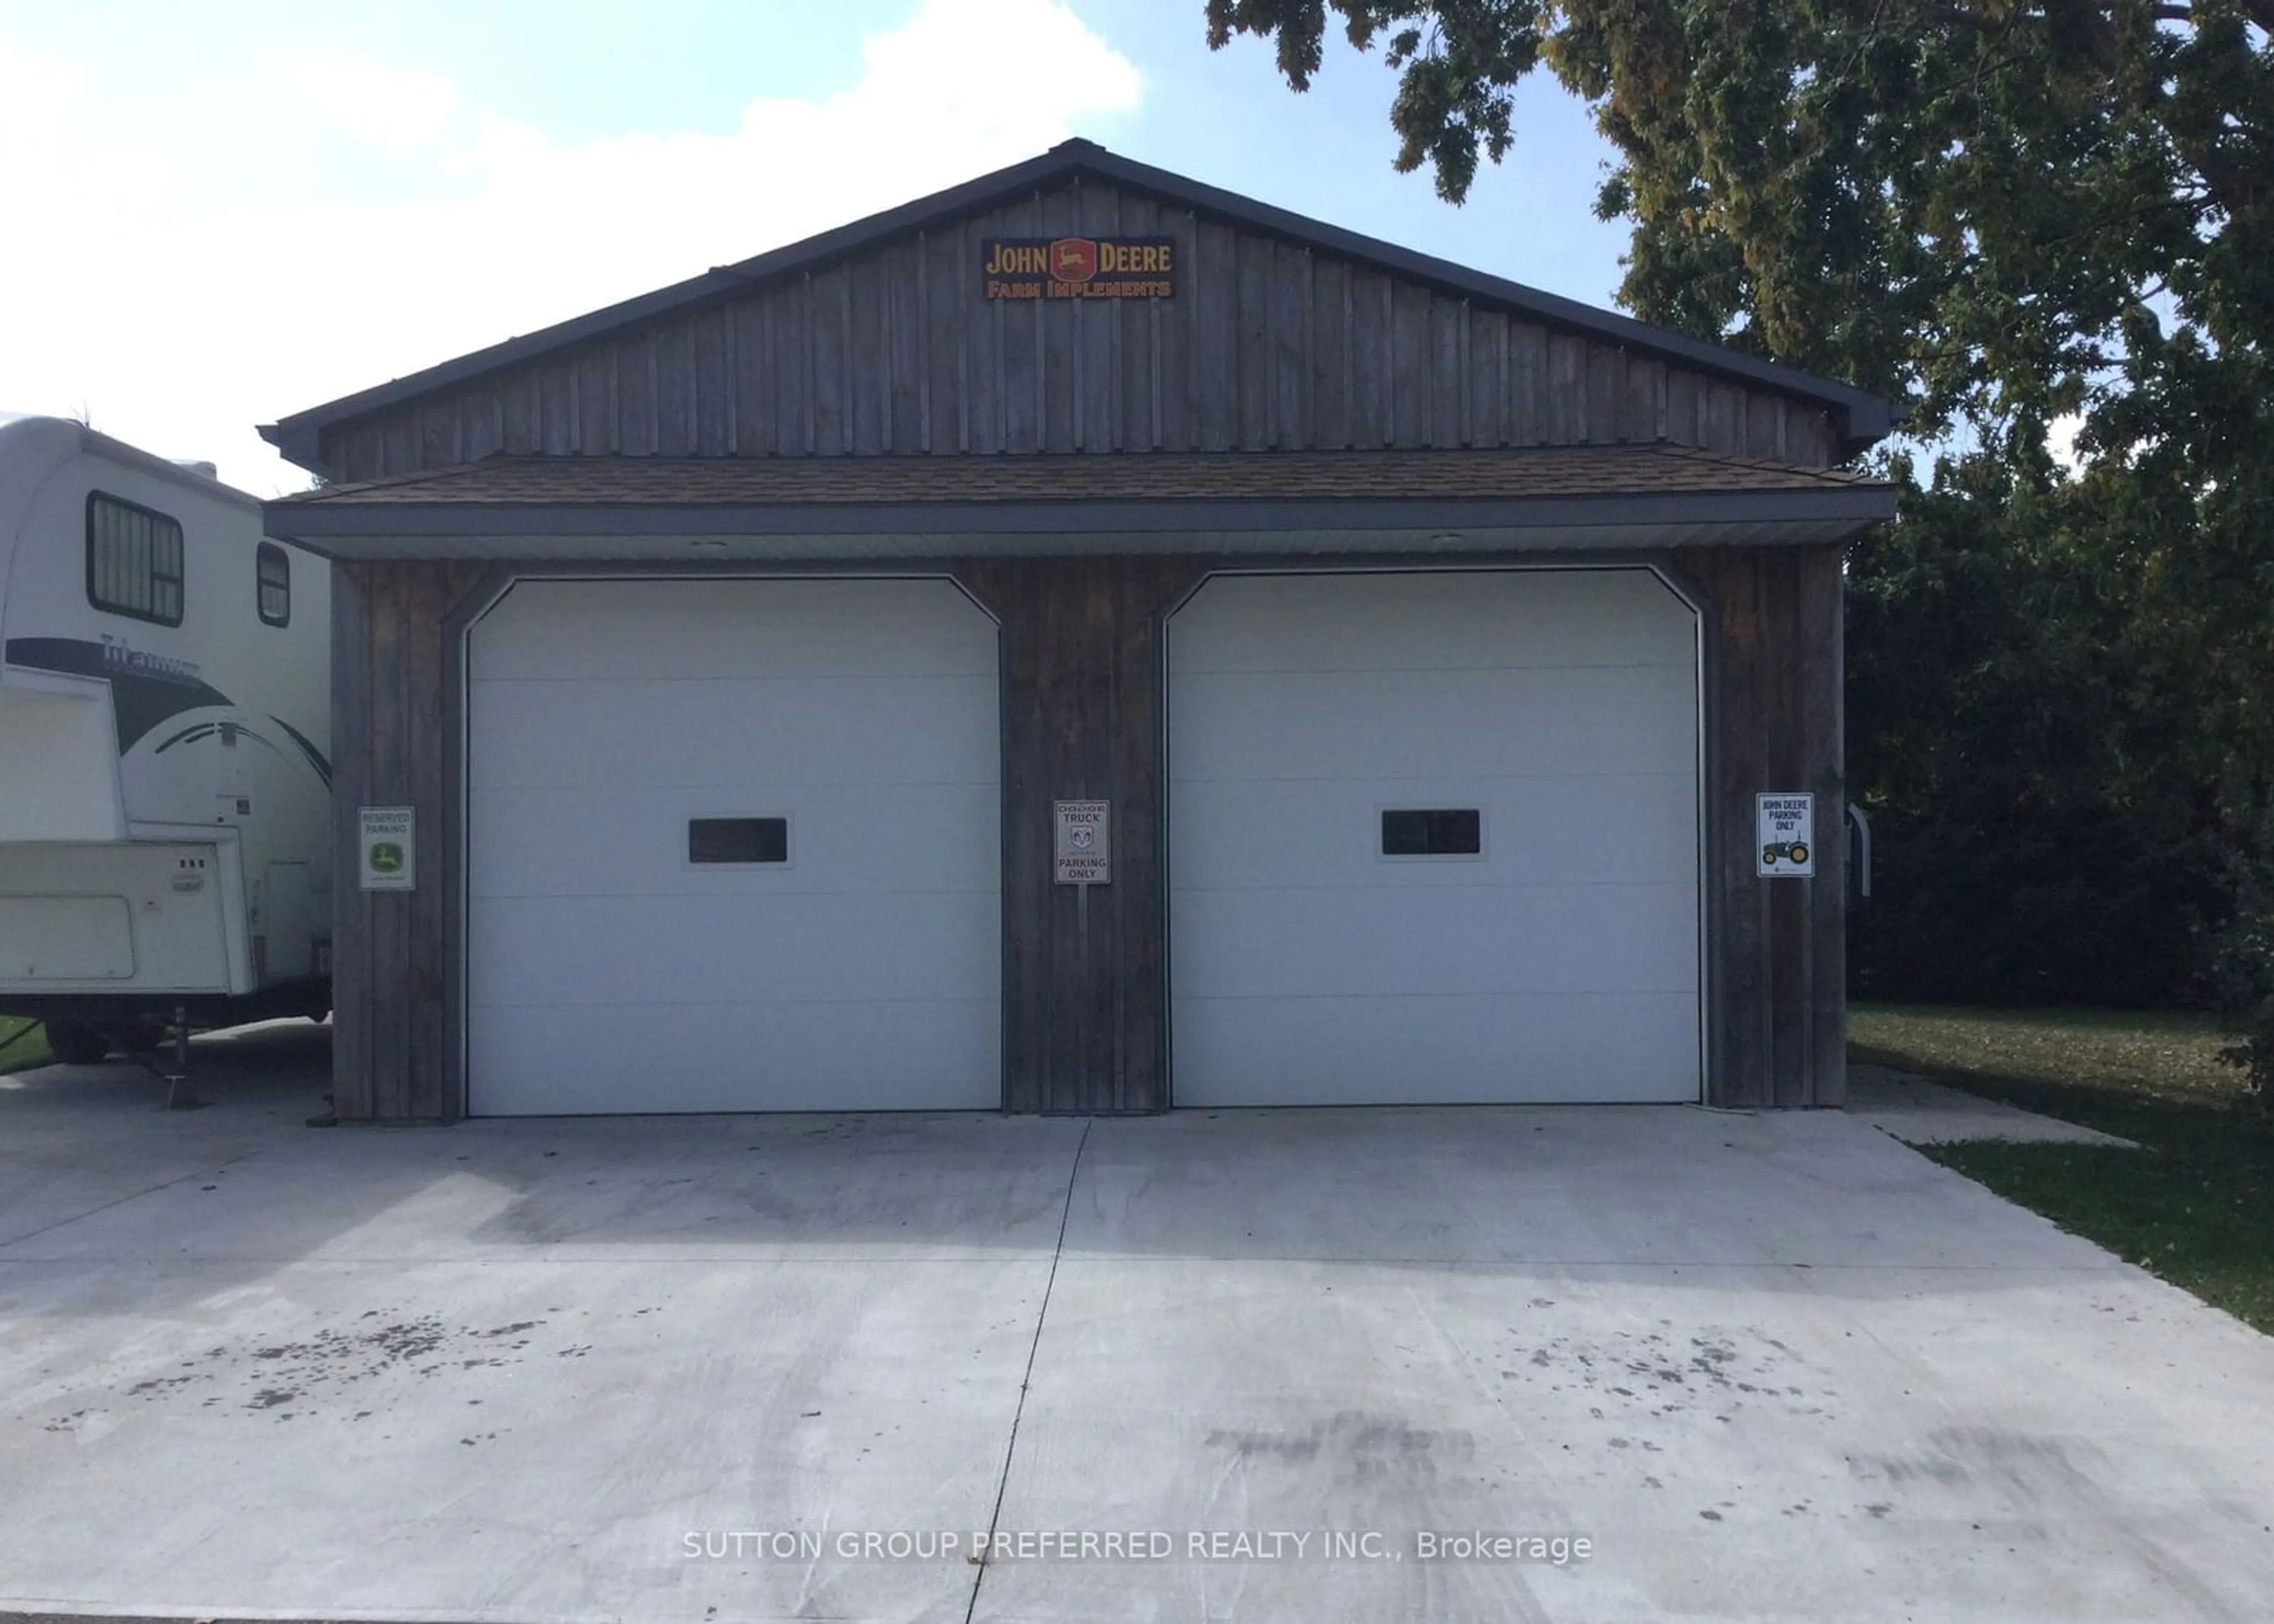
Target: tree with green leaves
{"points": [[1987, 210], [2007, 214]]}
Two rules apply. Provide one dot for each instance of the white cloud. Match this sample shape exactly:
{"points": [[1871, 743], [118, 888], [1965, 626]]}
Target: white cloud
{"points": [[388, 108], [181, 313], [33, 95]]}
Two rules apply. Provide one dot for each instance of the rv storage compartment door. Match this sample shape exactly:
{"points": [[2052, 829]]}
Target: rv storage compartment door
{"points": [[63, 724], [127, 916], [66, 938]]}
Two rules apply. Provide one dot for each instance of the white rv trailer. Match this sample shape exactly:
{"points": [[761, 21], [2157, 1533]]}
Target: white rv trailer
{"points": [[165, 724]]}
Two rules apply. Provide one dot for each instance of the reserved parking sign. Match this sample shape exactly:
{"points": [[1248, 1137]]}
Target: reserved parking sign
{"points": [[390, 851]]}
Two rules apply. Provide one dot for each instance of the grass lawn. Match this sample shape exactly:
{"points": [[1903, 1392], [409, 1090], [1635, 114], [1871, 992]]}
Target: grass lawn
{"points": [[2194, 1206], [30, 1051]]}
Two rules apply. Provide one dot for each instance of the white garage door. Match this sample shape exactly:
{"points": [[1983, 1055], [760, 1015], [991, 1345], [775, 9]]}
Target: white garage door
{"points": [[1433, 837], [734, 845]]}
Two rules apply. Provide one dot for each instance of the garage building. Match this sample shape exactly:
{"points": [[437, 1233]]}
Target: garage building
{"points": [[1086, 641]]}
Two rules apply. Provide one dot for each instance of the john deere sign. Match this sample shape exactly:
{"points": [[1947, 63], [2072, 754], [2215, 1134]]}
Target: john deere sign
{"points": [[1784, 827], [389, 839], [1078, 267]]}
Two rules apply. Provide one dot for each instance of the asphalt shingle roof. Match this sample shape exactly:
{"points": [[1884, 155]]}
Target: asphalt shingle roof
{"points": [[1151, 477]]}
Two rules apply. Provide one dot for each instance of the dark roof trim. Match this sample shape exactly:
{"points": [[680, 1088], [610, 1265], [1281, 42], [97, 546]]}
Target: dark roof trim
{"points": [[312, 523], [1867, 418]]}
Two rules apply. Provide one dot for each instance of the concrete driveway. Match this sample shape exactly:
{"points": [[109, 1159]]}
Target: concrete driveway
{"points": [[1770, 1367]]}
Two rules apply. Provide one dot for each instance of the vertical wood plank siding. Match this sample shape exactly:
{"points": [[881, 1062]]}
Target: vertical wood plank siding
{"points": [[1086, 1017], [1085, 1008], [352, 944], [1084, 982], [1266, 345], [1776, 1015], [392, 1039]]}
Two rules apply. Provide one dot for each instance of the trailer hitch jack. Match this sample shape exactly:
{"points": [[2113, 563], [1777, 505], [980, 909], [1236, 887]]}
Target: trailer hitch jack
{"points": [[180, 1095]]}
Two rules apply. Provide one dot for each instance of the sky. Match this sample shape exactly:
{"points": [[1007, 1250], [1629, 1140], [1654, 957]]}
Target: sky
{"points": [[221, 213]]}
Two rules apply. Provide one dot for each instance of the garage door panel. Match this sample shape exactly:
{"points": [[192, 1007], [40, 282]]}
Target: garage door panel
{"points": [[1560, 961], [1248, 834], [1413, 724], [581, 630], [1485, 939], [572, 1058], [632, 842], [699, 949], [1549, 1048], [606, 972], [1432, 621], [566, 735]]}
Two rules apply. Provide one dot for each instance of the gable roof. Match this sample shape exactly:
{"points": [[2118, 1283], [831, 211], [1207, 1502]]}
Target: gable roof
{"points": [[1862, 418]]}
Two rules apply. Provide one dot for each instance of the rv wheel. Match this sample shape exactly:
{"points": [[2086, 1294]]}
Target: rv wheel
{"points": [[76, 1044]]}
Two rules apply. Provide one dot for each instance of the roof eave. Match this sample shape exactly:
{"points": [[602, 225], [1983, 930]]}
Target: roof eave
{"points": [[350, 530]]}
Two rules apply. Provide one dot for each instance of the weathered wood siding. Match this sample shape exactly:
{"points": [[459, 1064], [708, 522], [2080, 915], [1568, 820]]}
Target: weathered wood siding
{"points": [[1267, 345], [1085, 984], [1776, 963], [393, 1048], [1086, 1019], [1085, 981]]}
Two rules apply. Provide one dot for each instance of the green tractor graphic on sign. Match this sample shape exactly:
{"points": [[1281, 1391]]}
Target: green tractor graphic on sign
{"points": [[1795, 852]]}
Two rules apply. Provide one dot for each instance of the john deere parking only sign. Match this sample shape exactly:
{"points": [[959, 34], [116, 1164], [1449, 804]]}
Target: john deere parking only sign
{"points": [[389, 848], [1784, 836]]}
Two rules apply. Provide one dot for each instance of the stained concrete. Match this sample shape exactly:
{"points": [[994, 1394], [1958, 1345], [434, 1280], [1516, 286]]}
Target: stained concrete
{"points": [[1771, 1366], [1920, 1111]]}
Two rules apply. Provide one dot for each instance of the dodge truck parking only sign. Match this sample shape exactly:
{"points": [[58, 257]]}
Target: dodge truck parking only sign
{"points": [[1081, 842], [1784, 836]]}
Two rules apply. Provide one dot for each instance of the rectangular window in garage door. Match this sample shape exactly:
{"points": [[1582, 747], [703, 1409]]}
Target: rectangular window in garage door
{"points": [[738, 842], [1433, 832]]}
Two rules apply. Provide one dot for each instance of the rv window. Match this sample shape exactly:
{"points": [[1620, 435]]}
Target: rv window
{"points": [[272, 568], [134, 561]]}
